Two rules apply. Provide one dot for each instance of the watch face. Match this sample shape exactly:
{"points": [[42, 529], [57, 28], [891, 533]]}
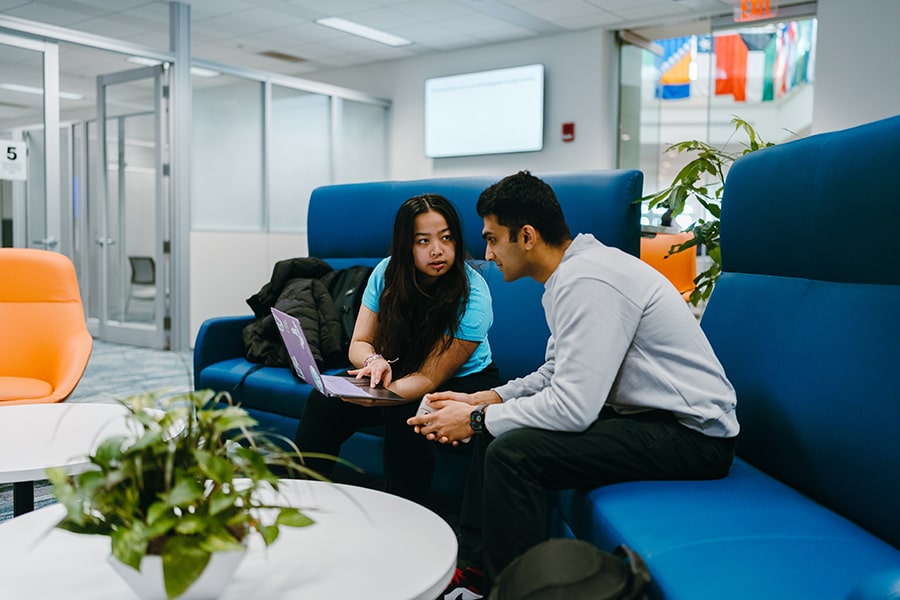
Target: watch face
{"points": [[476, 420]]}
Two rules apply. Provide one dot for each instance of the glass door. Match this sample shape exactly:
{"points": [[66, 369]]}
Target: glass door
{"points": [[127, 208], [30, 201]]}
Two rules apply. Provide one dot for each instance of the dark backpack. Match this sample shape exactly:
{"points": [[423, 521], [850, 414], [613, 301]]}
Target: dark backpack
{"points": [[564, 569], [346, 287]]}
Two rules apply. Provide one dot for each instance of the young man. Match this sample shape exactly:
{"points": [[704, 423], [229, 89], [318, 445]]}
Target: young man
{"points": [[630, 389]]}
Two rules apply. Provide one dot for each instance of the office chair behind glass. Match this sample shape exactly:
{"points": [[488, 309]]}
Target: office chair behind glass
{"points": [[143, 284]]}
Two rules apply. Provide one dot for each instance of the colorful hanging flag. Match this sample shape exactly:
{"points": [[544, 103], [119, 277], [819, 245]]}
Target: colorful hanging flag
{"points": [[760, 65], [790, 49], [703, 47], [731, 66], [674, 69]]}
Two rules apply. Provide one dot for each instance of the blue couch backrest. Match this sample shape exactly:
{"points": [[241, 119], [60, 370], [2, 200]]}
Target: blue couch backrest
{"points": [[592, 201], [806, 317], [600, 202]]}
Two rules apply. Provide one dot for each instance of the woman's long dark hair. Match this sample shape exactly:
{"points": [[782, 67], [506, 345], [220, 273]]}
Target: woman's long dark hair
{"points": [[413, 317]]}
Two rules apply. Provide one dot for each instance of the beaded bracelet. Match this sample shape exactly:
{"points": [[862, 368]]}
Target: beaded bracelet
{"points": [[371, 358]]}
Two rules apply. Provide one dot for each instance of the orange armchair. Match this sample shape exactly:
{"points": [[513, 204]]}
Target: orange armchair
{"points": [[44, 341], [679, 268]]}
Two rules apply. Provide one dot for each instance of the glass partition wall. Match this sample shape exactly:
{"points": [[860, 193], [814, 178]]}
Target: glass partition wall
{"points": [[280, 143], [227, 156], [300, 153], [101, 171], [261, 146]]}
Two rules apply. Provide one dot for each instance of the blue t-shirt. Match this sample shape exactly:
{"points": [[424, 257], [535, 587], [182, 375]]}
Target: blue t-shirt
{"points": [[474, 325]]}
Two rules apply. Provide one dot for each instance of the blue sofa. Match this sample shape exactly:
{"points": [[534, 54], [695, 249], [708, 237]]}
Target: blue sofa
{"points": [[350, 225], [806, 321]]}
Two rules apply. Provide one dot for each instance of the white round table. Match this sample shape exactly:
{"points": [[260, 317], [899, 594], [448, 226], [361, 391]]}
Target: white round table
{"points": [[363, 544], [34, 437]]}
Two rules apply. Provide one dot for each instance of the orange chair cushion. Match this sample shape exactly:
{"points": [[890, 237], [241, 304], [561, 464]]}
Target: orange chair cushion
{"points": [[23, 388]]}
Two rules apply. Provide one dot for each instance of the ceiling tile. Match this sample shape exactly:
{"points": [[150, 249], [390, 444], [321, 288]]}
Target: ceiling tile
{"points": [[107, 5], [125, 26], [556, 10], [52, 15], [157, 12], [209, 9], [432, 10], [236, 31], [338, 8], [594, 20]]}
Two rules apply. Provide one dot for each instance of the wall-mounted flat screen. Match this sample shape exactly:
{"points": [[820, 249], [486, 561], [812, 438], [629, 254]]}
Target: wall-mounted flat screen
{"points": [[490, 112]]}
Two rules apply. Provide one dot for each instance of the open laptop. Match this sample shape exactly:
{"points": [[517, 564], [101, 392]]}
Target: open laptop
{"points": [[335, 386]]}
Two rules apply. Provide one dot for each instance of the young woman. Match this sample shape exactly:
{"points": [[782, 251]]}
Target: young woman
{"points": [[422, 327]]}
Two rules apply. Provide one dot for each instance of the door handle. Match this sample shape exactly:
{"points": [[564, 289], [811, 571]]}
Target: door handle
{"points": [[105, 242], [47, 242]]}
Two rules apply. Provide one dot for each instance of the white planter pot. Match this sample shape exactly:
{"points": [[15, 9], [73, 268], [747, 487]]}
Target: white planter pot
{"points": [[148, 583]]}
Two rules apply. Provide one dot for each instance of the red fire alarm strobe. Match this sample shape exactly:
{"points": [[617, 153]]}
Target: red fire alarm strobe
{"points": [[568, 132]]}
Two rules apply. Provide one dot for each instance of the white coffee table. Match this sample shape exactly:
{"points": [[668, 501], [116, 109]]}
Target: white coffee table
{"points": [[34, 437], [364, 544]]}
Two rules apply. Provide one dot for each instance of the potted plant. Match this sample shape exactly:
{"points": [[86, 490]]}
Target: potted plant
{"points": [[703, 179], [191, 481]]}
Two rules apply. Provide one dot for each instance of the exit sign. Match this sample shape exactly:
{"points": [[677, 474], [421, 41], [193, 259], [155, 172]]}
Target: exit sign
{"points": [[753, 10]]}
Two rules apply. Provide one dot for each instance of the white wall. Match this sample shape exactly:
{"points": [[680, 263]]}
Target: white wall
{"points": [[227, 268], [581, 87], [857, 71]]}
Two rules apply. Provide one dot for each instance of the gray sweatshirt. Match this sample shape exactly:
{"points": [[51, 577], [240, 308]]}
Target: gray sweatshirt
{"points": [[620, 334]]}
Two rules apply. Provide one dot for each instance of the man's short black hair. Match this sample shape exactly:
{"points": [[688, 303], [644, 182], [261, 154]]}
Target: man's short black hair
{"points": [[523, 199]]}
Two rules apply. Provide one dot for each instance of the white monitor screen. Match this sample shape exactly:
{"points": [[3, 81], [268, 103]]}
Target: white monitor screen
{"points": [[491, 112]]}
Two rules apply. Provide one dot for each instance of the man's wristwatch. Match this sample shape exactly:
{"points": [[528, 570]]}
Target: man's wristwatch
{"points": [[476, 419]]}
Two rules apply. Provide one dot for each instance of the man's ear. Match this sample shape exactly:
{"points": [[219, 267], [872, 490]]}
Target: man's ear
{"points": [[529, 236]]}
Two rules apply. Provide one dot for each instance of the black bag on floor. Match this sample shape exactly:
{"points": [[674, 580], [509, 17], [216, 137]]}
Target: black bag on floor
{"points": [[564, 569]]}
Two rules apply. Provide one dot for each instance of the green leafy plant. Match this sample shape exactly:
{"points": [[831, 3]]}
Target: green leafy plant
{"points": [[703, 179], [188, 482]]}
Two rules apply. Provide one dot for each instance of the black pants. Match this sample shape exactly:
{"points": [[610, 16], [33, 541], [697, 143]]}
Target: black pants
{"points": [[505, 509], [408, 457]]}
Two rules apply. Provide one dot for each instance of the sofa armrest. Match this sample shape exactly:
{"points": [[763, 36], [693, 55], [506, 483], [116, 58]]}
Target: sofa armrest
{"points": [[883, 586], [219, 339]]}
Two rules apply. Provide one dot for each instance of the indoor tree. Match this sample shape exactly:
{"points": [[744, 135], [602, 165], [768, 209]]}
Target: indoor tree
{"points": [[703, 179]]}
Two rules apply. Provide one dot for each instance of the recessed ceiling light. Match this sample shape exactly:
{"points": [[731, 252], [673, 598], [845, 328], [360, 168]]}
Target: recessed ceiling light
{"points": [[201, 72], [150, 62], [140, 60], [376, 35], [27, 89]]}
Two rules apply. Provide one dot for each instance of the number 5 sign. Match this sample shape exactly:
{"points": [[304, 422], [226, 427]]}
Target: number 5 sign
{"points": [[12, 160]]}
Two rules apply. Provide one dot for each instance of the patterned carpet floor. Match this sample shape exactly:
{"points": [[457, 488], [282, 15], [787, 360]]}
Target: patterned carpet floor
{"points": [[116, 371]]}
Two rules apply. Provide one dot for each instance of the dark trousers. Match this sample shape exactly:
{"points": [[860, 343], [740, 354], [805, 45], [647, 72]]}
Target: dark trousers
{"points": [[505, 508], [408, 457]]}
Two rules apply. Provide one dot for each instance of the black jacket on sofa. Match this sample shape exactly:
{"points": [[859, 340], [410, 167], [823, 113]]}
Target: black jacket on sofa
{"points": [[299, 287]]}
